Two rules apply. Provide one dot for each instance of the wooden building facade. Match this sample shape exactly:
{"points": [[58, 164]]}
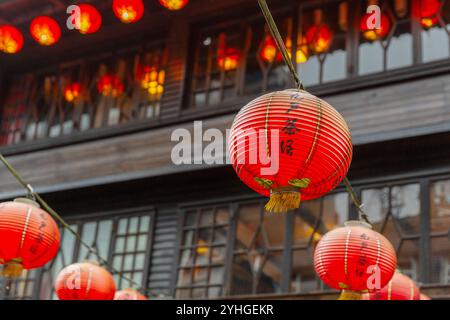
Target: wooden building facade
{"points": [[103, 159]]}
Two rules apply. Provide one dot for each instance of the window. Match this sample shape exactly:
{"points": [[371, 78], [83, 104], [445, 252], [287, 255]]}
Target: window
{"points": [[77, 96], [122, 241], [394, 211]]}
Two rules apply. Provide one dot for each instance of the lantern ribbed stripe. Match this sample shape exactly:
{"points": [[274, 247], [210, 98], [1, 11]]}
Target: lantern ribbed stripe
{"points": [[84, 281], [34, 240], [314, 142], [334, 255], [400, 287]]}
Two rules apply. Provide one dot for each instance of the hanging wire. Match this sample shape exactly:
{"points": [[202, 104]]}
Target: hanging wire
{"points": [[281, 46], [35, 196]]}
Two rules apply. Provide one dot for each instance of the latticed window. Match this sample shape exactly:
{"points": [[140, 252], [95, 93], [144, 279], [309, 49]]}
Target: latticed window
{"points": [[122, 241], [93, 93]]}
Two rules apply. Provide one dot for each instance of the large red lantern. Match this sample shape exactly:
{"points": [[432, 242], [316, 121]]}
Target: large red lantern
{"points": [[128, 11], [110, 85], [85, 281], [373, 34], [289, 142], [90, 19], [354, 258], [400, 287], [129, 294], [29, 236], [174, 4], [11, 39], [45, 30], [429, 11]]}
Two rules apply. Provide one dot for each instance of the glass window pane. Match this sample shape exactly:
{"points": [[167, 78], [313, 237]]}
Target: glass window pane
{"points": [[440, 260], [435, 44], [133, 225], [405, 207], [440, 206], [144, 224], [303, 277]]}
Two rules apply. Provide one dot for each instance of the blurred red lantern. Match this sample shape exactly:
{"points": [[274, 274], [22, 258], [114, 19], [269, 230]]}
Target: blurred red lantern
{"points": [[152, 80], [128, 11], [29, 236], [400, 287], [228, 59], [90, 19], [424, 297], [373, 34], [319, 38], [289, 142], [110, 85], [354, 258], [429, 10], [72, 92], [129, 294], [174, 4], [269, 51], [11, 39], [45, 30], [84, 281]]}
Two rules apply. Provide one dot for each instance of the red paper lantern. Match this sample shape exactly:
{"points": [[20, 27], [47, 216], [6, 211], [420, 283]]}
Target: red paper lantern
{"points": [[269, 51], [373, 34], [400, 287], [129, 294], [228, 59], [128, 11], [90, 19], [29, 236], [429, 10], [305, 140], [72, 92], [174, 4], [319, 38], [85, 281], [45, 30], [110, 85], [11, 39], [353, 258]]}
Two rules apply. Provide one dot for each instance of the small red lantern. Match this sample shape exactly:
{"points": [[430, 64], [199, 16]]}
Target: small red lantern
{"points": [[373, 34], [289, 142], [11, 39], [85, 281], [429, 11], [129, 294], [354, 258], [152, 80], [174, 4], [269, 51], [228, 59], [424, 297], [29, 236], [90, 19], [319, 36], [128, 11], [72, 92], [400, 287], [110, 85], [45, 30]]}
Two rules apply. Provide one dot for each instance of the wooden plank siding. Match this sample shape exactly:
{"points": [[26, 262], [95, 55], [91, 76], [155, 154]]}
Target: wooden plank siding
{"points": [[402, 110]]}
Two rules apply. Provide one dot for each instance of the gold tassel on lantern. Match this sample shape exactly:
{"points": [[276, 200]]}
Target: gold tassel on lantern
{"points": [[12, 268], [350, 295], [283, 199]]}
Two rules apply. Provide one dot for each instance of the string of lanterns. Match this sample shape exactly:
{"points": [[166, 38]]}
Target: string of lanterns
{"points": [[46, 31]]}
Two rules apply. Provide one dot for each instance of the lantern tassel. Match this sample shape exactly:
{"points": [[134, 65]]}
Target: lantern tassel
{"points": [[282, 201], [12, 269], [350, 295]]}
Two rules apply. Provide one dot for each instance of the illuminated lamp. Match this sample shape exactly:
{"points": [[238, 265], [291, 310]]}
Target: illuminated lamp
{"points": [[72, 92], [152, 80], [373, 34], [269, 51], [11, 39], [128, 11], [110, 85], [319, 36]]}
